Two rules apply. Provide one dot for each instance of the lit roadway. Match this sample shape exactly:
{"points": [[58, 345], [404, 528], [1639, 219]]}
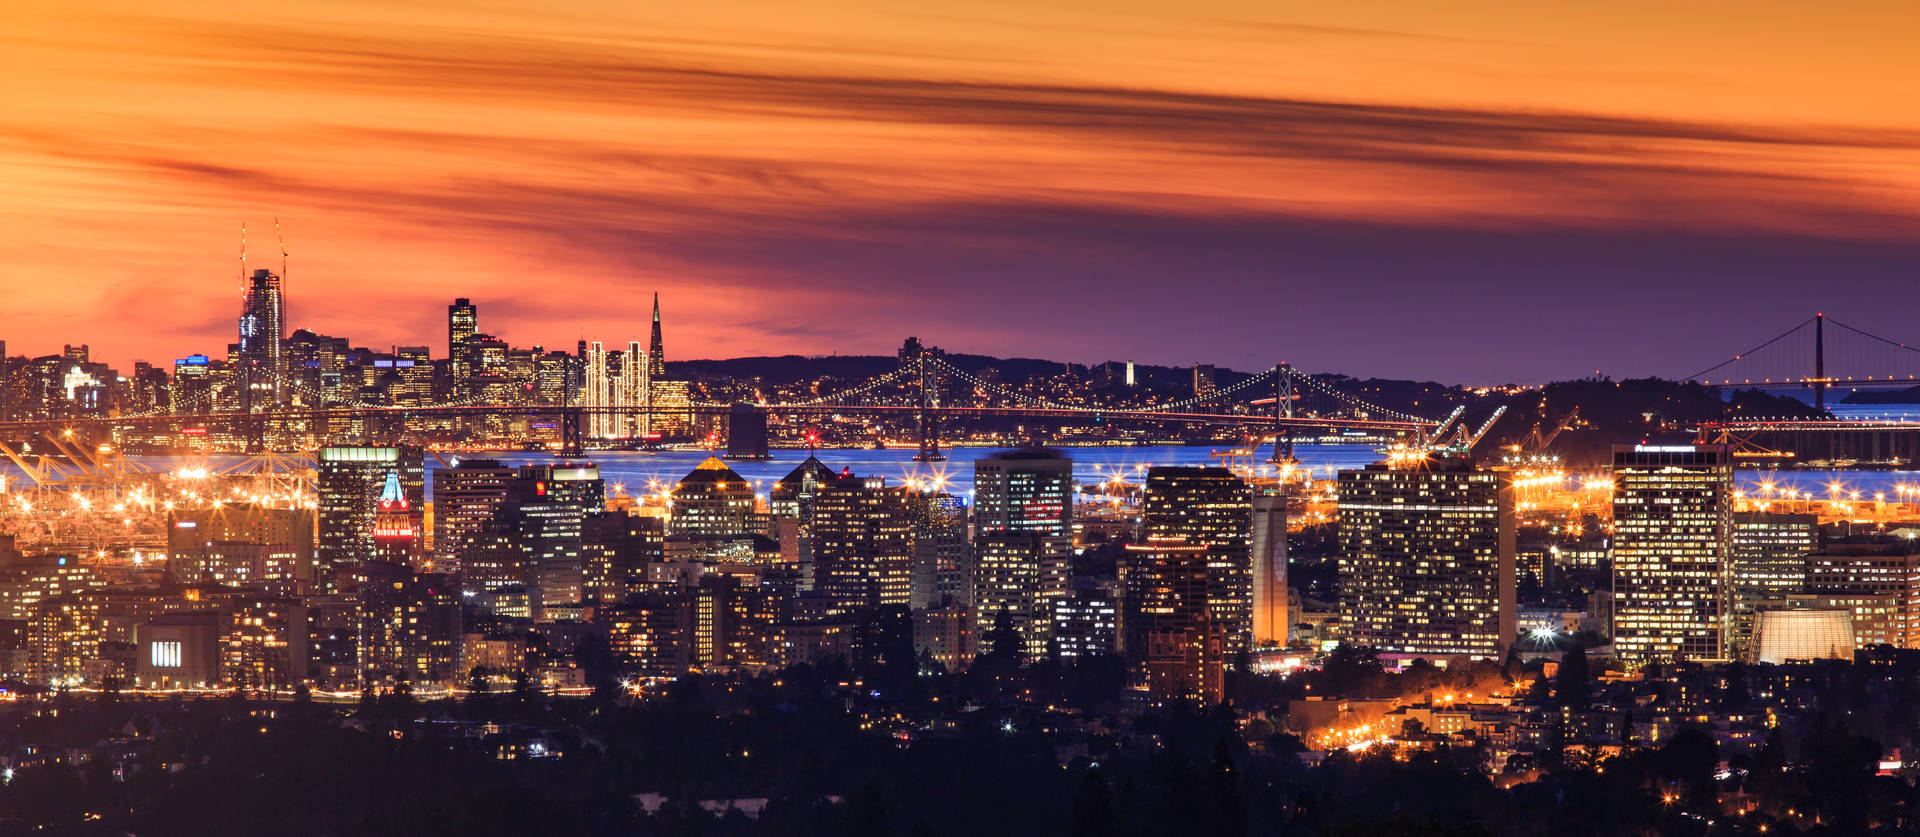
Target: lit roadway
{"points": [[17, 429]]}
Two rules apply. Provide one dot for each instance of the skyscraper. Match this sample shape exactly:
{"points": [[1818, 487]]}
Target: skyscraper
{"points": [[1769, 564], [409, 626], [396, 532], [1019, 576], [1672, 532], [463, 322], [348, 482], [596, 391], [1173, 647], [1027, 490], [632, 389], [713, 500], [617, 382], [862, 544], [656, 352], [549, 505], [465, 498], [1210, 509], [1270, 618], [1427, 558], [262, 345]]}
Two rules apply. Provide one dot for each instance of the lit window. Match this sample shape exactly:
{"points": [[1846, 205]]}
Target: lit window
{"points": [[166, 655]]}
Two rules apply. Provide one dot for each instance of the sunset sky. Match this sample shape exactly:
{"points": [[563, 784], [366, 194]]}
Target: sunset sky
{"points": [[1477, 192]]}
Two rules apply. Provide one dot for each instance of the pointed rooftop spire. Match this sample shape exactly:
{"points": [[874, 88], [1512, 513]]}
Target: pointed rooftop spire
{"points": [[391, 497]]}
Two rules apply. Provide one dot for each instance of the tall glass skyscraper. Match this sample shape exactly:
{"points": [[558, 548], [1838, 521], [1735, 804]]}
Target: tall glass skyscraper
{"points": [[262, 342], [463, 322]]}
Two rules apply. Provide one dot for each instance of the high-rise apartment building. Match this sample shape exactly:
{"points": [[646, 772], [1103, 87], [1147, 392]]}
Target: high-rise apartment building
{"points": [[1427, 558], [1672, 543], [408, 626]]}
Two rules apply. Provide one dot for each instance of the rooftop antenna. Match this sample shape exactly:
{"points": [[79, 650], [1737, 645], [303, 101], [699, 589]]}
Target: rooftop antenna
{"points": [[283, 250], [283, 272], [243, 258]]}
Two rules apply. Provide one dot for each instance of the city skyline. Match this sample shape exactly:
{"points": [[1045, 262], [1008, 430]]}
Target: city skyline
{"points": [[1020, 182]]}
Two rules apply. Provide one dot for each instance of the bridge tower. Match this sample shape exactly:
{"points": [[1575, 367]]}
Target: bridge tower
{"points": [[1282, 413], [930, 421], [570, 444], [928, 417], [1820, 362]]}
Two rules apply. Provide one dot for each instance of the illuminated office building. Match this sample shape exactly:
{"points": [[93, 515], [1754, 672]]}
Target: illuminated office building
{"points": [[463, 322], [240, 544], [713, 500], [408, 627], [465, 498], [1672, 544], [1019, 576], [262, 346], [942, 557], [670, 404], [396, 526], [348, 482], [1023, 491], [1085, 624], [1427, 558], [1175, 649], [1878, 579], [1769, 554], [1210, 508], [862, 544]]}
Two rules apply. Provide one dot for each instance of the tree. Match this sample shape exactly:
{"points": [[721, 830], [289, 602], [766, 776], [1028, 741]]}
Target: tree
{"points": [[1003, 639], [476, 700], [1570, 687], [1093, 809], [1512, 668]]}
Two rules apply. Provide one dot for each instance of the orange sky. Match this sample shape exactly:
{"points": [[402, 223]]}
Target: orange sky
{"points": [[833, 176]]}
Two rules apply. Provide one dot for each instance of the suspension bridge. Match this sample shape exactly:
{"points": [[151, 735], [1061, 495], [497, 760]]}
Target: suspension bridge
{"points": [[1805, 357], [925, 389], [1820, 354]]}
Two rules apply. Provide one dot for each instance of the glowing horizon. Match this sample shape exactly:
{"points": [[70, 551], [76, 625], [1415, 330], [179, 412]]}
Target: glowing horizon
{"points": [[1216, 181]]}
